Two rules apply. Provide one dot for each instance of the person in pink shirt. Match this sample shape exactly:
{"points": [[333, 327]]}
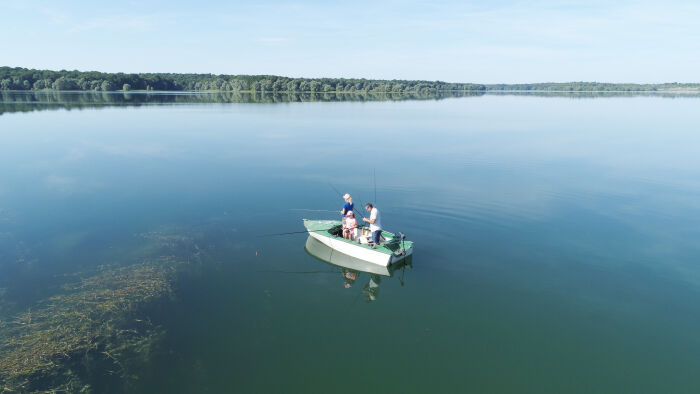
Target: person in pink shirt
{"points": [[350, 228]]}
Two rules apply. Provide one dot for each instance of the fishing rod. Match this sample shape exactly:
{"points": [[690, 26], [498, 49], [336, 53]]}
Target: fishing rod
{"points": [[374, 175], [312, 210], [341, 196], [362, 206], [292, 232], [315, 210], [336, 190]]}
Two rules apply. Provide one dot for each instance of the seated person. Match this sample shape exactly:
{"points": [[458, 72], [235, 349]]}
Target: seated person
{"points": [[350, 226]]}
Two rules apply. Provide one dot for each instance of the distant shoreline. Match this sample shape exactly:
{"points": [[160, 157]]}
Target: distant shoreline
{"points": [[595, 87], [23, 79], [375, 92]]}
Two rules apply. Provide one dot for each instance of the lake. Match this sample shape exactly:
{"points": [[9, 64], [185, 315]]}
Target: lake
{"points": [[556, 239]]}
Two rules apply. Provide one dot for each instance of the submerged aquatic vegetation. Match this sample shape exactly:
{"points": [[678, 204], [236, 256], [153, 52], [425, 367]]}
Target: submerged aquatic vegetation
{"points": [[98, 323], [2, 302]]}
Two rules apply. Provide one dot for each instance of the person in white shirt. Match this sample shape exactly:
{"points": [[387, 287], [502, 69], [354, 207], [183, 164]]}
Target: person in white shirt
{"points": [[375, 223]]}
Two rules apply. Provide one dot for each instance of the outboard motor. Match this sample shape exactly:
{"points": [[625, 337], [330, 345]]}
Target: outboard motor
{"points": [[403, 246]]}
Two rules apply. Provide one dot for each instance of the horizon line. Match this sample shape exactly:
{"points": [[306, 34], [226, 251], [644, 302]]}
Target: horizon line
{"points": [[360, 78]]}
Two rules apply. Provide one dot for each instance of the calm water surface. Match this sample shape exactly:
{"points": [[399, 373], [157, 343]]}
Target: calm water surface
{"points": [[557, 238]]}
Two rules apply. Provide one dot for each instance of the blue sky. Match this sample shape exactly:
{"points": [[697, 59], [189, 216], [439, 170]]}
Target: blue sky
{"points": [[460, 41]]}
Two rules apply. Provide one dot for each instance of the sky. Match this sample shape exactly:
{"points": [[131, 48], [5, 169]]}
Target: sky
{"points": [[496, 41]]}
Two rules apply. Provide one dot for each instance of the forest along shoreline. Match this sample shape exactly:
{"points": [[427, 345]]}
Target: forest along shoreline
{"points": [[19, 78]]}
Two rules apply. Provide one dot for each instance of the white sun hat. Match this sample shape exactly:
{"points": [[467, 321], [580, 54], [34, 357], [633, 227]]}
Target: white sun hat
{"points": [[346, 196]]}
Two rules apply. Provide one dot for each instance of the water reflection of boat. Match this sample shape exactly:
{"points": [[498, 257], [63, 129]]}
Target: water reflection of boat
{"points": [[351, 268], [331, 256], [391, 250]]}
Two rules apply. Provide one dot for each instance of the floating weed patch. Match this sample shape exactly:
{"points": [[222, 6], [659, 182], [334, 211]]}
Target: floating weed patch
{"points": [[97, 326]]}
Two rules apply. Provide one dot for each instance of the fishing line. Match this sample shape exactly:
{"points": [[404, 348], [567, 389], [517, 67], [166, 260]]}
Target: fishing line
{"points": [[298, 272]]}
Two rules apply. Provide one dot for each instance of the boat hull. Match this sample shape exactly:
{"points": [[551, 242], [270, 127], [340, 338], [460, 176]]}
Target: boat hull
{"points": [[322, 252], [359, 252]]}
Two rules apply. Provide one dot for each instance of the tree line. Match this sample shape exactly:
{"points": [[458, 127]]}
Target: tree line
{"points": [[594, 87], [18, 78]]}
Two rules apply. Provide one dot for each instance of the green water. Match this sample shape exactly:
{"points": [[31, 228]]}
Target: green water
{"points": [[556, 238]]}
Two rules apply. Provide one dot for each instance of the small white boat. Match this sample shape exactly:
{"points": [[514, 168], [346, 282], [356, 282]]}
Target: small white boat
{"points": [[391, 248]]}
